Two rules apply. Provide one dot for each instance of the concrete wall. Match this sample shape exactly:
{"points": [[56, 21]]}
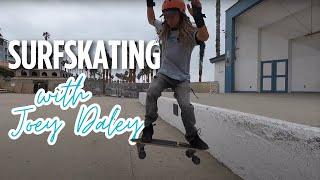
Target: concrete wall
{"points": [[4, 64], [26, 85], [205, 87], [219, 75], [273, 47], [252, 146], [18, 86], [130, 90], [2, 82], [246, 62], [306, 64]]}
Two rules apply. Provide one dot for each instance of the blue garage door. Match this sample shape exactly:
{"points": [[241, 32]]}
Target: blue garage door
{"points": [[274, 76]]}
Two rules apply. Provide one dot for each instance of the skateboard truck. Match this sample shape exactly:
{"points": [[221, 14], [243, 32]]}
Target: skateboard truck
{"points": [[190, 152], [141, 152]]}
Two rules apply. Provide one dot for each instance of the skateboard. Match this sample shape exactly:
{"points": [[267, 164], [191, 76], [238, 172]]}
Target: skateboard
{"points": [[190, 151]]}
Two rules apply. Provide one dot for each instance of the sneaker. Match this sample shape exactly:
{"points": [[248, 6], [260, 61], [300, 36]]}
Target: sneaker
{"points": [[196, 142], [147, 134]]}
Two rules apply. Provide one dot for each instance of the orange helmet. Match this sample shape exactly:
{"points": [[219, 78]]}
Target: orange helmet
{"points": [[174, 4]]}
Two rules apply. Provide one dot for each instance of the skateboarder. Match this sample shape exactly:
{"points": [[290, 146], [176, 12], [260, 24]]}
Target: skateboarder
{"points": [[178, 38]]}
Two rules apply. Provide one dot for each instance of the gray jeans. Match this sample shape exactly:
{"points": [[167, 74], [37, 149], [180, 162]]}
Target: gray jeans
{"points": [[182, 94]]}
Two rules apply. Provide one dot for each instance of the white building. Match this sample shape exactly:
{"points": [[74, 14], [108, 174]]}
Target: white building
{"points": [[271, 46], [4, 53]]}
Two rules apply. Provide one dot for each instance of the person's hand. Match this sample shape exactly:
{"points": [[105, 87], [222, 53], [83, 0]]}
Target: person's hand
{"points": [[150, 3], [194, 7], [196, 12]]}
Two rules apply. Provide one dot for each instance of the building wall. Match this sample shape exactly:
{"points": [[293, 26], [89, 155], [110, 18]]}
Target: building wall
{"points": [[3, 49], [219, 75], [280, 34], [246, 61], [306, 64], [273, 47], [42, 73]]}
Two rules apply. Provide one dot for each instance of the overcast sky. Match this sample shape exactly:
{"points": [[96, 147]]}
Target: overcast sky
{"points": [[99, 20]]}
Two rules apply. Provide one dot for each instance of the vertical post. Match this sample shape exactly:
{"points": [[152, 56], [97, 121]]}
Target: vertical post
{"points": [[104, 81], [218, 15]]}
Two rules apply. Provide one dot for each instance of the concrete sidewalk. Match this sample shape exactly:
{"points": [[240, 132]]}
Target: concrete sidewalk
{"points": [[94, 156]]}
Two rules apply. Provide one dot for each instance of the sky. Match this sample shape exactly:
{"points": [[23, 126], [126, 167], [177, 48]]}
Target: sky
{"points": [[100, 20]]}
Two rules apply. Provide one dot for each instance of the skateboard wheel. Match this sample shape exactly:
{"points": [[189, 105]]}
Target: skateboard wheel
{"points": [[142, 155], [195, 160], [189, 153]]}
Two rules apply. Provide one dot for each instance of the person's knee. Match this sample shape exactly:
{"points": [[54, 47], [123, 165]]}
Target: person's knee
{"points": [[186, 107], [152, 116], [153, 92]]}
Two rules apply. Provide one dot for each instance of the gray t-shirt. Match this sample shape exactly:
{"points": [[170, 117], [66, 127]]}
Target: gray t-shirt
{"points": [[175, 57]]}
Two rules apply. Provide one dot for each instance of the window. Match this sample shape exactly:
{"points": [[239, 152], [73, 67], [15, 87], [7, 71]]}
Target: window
{"points": [[23, 73], [34, 74]]}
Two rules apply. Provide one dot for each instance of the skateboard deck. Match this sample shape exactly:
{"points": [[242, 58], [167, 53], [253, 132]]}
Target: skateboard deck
{"points": [[190, 151]]}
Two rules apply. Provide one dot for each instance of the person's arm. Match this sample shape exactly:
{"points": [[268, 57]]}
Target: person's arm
{"points": [[151, 16], [196, 12], [203, 34], [150, 12]]}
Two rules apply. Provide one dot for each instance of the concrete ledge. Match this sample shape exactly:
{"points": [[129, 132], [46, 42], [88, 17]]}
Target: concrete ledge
{"points": [[252, 146]]}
